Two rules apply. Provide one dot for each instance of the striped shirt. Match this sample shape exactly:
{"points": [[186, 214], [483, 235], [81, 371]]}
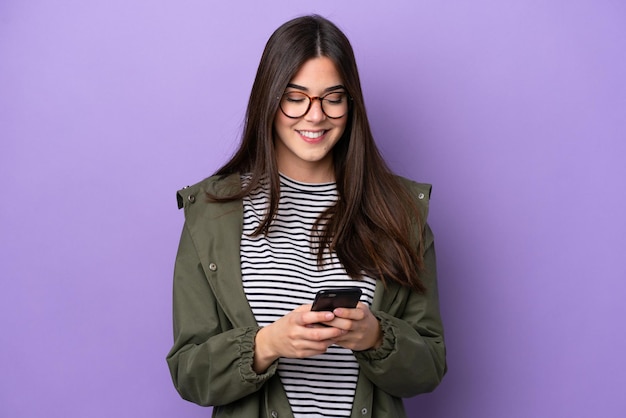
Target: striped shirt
{"points": [[280, 273]]}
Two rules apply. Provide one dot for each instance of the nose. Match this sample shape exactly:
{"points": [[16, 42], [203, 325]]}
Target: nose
{"points": [[315, 113]]}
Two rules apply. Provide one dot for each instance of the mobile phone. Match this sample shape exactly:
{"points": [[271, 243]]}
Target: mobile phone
{"points": [[329, 299]]}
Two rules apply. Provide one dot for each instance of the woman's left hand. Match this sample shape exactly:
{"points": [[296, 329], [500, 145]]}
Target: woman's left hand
{"points": [[361, 328]]}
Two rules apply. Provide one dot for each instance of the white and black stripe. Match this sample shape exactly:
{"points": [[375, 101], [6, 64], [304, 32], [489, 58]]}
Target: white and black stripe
{"points": [[280, 273]]}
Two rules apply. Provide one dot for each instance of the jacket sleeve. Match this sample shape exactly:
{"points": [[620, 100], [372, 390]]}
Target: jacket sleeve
{"points": [[210, 363], [412, 357]]}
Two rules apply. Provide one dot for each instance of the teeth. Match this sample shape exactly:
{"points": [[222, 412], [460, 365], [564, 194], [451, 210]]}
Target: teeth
{"points": [[312, 135]]}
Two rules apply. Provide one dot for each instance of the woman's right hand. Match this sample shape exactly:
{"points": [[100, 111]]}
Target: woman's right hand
{"points": [[295, 335]]}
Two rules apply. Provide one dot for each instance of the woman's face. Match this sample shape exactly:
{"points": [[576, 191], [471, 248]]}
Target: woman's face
{"points": [[303, 144]]}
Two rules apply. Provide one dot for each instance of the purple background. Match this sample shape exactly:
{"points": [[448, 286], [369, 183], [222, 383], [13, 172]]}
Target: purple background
{"points": [[514, 110]]}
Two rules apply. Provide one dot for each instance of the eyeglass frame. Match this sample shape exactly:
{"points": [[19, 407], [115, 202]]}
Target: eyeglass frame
{"points": [[311, 99]]}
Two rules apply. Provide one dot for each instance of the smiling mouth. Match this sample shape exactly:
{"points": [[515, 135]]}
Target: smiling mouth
{"points": [[312, 134]]}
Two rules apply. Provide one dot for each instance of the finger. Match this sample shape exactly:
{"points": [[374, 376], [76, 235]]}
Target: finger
{"points": [[341, 323], [314, 317], [355, 314], [324, 334]]}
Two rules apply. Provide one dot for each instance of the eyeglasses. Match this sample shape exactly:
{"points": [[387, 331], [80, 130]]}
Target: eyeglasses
{"points": [[295, 104]]}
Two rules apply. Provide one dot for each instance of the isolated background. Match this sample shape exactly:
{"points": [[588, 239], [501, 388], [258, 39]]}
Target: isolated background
{"points": [[514, 110]]}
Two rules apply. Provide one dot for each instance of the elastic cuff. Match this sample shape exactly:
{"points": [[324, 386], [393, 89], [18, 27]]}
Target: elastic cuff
{"points": [[389, 331], [246, 356]]}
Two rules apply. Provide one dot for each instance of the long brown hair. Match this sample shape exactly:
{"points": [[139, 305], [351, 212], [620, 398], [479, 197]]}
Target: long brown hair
{"points": [[371, 226]]}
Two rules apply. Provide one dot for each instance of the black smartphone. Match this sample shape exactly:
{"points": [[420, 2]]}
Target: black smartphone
{"points": [[329, 299]]}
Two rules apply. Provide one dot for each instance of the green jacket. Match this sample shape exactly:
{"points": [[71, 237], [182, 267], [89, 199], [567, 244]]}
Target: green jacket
{"points": [[214, 328]]}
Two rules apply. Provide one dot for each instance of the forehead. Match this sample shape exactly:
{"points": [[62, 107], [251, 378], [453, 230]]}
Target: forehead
{"points": [[317, 74]]}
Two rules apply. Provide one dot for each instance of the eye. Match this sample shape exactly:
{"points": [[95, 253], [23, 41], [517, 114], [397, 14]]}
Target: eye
{"points": [[295, 97], [335, 98]]}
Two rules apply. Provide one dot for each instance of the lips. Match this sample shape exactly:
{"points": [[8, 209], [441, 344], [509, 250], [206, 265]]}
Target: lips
{"points": [[312, 136]]}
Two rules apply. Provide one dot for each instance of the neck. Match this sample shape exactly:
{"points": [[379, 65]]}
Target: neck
{"points": [[310, 174]]}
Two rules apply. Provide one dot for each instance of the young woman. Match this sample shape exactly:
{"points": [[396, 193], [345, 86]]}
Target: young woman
{"points": [[305, 204]]}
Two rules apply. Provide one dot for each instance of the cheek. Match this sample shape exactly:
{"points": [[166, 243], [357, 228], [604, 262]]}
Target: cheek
{"points": [[341, 128], [340, 132], [281, 121]]}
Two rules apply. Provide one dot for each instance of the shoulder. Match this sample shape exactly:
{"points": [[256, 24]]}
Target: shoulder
{"points": [[200, 209], [420, 192], [214, 185]]}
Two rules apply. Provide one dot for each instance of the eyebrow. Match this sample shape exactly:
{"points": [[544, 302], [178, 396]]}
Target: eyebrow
{"points": [[333, 88]]}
